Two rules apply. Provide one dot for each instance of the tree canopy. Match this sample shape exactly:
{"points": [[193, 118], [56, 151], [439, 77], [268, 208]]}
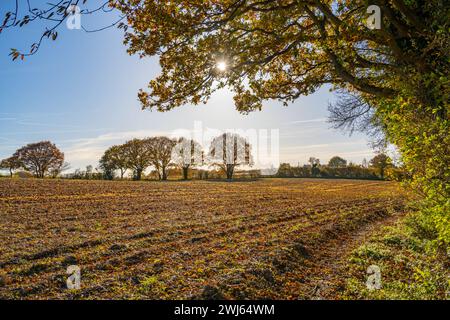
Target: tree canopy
{"points": [[187, 153], [381, 162], [274, 49], [160, 153], [228, 151], [40, 158], [284, 49], [137, 155], [337, 162], [113, 159], [11, 164]]}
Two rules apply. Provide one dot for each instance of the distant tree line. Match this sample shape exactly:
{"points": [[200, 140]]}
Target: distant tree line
{"points": [[180, 156], [379, 167], [185, 158]]}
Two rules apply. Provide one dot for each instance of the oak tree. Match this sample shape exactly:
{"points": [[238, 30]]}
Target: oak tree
{"points": [[138, 156], [381, 162], [40, 158], [337, 162], [11, 164], [160, 153], [113, 159], [228, 151], [56, 171], [187, 153], [107, 166], [314, 163]]}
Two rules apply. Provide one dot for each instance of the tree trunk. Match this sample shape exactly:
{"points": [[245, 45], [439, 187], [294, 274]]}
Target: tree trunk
{"points": [[164, 174], [185, 173], [138, 174], [230, 171], [122, 172], [10, 173]]}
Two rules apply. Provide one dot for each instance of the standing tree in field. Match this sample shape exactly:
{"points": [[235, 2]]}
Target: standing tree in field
{"points": [[11, 164], [40, 158], [138, 156], [315, 163], [229, 151], [107, 166], [187, 153], [381, 162], [160, 153], [337, 162], [89, 172], [119, 159], [56, 171], [113, 159]]}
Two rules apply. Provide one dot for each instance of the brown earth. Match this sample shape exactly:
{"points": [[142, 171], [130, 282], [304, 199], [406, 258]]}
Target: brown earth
{"points": [[272, 238]]}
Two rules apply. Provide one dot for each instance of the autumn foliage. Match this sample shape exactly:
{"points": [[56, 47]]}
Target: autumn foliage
{"points": [[41, 158]]}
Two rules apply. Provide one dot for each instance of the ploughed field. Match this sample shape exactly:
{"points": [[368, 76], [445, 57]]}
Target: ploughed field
{"points": [[198, 239]]}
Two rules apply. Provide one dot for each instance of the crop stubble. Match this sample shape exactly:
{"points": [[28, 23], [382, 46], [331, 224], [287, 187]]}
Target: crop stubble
{"points": [[198, 239]]}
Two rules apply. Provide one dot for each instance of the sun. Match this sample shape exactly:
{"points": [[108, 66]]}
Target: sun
{"points": [[222, 66]]}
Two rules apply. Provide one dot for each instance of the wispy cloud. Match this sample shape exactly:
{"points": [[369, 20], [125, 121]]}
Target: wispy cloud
{"points": [[317, 120], [44, 124], [300, 132], [80, 152], [81, 130], [330, 145]]}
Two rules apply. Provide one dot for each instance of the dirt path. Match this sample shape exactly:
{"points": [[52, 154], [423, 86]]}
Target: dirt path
{"points": [[329, 275]]}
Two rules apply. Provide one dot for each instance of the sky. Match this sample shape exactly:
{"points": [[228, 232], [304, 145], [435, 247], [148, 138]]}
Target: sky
{"points": [[80, 92]]}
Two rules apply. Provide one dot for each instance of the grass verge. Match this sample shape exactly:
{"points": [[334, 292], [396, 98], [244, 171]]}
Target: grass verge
{"points": [[412, 265]]}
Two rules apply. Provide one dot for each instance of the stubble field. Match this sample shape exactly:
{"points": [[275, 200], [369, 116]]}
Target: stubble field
{"points": [[272, 238]]}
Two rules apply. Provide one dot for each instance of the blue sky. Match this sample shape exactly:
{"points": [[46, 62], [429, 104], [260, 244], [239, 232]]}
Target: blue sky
{"points": [[81, 93]]}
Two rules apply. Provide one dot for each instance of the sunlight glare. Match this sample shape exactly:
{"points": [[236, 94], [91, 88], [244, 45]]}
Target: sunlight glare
{"points": [[222, 66]]}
